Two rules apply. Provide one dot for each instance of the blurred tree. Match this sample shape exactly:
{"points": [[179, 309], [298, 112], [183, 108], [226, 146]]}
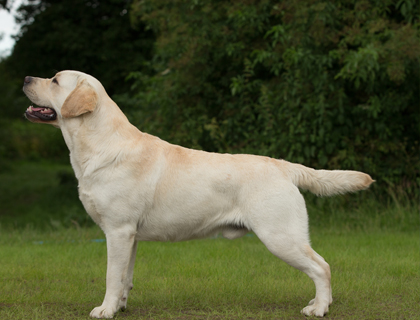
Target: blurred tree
{"points": [[92, 36], [3, 4]]}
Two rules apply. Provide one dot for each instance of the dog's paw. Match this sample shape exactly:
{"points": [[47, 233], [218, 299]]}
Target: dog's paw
{"points": [[315, 310], [102, 312]]}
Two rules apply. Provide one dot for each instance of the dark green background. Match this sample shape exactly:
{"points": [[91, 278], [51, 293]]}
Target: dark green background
{"points": [[329, 84]]}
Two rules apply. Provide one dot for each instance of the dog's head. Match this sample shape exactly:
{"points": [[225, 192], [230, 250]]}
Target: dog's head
{"points": [[68, 94]]}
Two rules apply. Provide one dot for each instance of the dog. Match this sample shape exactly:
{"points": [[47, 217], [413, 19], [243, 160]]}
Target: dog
{"points": [[137, 187]]}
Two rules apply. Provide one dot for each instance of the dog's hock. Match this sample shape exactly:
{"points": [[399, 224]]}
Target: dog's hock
{"points": [[81, 100]]}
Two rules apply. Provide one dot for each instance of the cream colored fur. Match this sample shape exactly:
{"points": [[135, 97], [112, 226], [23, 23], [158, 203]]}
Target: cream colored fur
{"points": [[137, 187]]}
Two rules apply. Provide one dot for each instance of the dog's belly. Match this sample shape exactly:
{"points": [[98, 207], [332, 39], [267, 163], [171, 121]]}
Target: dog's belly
{"points": [[173, 225], [174, 233], [231, 231]]}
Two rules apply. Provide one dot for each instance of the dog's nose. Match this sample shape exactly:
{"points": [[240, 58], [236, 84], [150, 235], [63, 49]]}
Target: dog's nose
{"points": [[27, 80]]}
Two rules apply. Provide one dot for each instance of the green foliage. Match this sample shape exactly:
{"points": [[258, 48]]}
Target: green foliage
{"points": [[3, 4], [40, 195], [330, 84], [31, 142], [91, 36]]}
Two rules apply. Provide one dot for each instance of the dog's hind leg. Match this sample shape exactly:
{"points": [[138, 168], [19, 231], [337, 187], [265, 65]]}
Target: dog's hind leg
{"points": [[305, 259], [281, 223], [128, 285], [321, 260], [324, 281]]}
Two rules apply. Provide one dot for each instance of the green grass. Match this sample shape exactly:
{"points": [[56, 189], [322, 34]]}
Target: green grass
{"points": [[61, 274], [50, 267]]}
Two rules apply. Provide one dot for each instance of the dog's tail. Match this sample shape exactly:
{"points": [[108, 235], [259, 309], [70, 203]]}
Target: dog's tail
{"points": [[328, 182]]}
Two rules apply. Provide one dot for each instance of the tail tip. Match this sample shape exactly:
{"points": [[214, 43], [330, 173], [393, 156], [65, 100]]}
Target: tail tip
{"points": [[367, 181]]}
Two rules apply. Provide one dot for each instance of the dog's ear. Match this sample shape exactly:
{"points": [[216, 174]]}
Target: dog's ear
{"points": [[81, 100]]}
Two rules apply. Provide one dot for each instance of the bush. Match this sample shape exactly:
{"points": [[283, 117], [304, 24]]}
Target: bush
{"points": [[329, 84], [30, 141]]}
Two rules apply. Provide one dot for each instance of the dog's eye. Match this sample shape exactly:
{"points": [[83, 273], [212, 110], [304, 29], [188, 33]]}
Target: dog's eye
{"points": [[55, 80]]}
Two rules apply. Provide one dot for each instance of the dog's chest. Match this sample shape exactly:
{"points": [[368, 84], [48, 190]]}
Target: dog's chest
{"points": [[96, 199], [88, 202], [111, 201]]}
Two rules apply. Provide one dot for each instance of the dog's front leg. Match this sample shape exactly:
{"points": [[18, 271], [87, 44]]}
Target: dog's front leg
{"points": [[128, 285], [120, 245]]}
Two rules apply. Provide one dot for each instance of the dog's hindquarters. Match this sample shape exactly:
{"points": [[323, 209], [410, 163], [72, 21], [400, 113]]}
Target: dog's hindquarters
{"points": [[282, 224]]}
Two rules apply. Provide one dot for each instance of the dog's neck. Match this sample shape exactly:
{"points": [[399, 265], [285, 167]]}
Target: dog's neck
{"points": [[99, 139]]}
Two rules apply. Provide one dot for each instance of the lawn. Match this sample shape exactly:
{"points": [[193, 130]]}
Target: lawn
{"points": [[61, 274]]}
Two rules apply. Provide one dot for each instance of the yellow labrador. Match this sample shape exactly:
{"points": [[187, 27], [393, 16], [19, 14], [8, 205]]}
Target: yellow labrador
{"points": [[137, 187]]}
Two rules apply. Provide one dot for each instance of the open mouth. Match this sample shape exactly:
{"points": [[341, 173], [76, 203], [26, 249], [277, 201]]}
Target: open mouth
{"points": [[41, 113]]}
